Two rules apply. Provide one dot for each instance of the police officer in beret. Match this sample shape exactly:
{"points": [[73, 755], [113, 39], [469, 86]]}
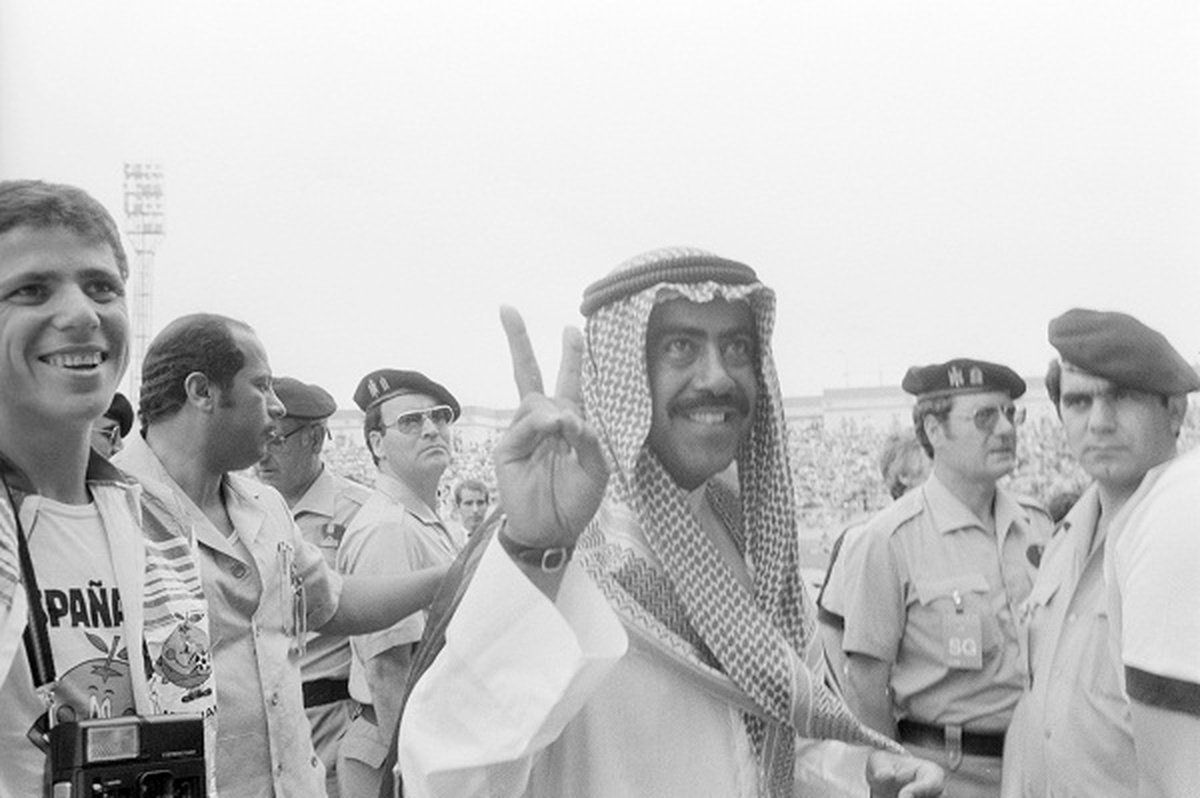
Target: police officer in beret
{"points": [[407, 429], [1120, 389], [932, 589], [322, 504]]}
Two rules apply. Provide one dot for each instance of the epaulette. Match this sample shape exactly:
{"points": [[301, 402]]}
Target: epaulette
{"points": [[898, 513]]}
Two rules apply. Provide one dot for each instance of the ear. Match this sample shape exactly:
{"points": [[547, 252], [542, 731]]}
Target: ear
{"points": [[200, 390], [933, 429], [1176, 410], [375, 443]]}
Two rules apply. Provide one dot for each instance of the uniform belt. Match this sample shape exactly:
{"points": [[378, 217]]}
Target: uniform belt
{"points": [[318, 692], [931, 736]]}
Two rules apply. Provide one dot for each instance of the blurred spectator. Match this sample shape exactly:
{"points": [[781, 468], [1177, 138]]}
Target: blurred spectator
{"points": [[109, 431], [471, 501]]}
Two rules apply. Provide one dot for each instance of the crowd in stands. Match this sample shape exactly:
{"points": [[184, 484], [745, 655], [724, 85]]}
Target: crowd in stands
{"points": [[836, 467]]}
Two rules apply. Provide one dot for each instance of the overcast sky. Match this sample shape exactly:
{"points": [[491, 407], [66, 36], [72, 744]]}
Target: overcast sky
{"points": [[366, 182]]}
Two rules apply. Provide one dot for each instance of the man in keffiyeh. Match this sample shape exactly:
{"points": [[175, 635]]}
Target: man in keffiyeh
{"points": [[642, 634]]}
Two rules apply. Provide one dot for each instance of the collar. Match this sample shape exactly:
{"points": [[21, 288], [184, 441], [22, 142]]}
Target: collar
{"points": [[949, 514], [239, 495], [400, 493], [321, 496], [98, 470]]}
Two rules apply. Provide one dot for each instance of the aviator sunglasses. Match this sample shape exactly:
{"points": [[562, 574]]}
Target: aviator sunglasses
{"points": [[986, 418]]}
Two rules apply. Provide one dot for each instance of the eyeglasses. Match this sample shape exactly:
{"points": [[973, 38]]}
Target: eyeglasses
{"points": [[413, 422], [986, 418], [110, 434], [279, 439]]}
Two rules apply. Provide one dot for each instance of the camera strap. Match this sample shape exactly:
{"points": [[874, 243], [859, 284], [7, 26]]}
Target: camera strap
{"points": [[37, 631]]}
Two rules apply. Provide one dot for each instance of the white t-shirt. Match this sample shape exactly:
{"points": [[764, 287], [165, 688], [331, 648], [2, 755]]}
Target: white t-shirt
{"points": [[73, 565]]}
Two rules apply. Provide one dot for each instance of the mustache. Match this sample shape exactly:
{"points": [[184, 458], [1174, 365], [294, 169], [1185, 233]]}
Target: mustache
{"points": [[735, 400]]}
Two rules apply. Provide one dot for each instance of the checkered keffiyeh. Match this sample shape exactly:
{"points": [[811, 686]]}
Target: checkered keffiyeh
{"points": [[689, 601]]}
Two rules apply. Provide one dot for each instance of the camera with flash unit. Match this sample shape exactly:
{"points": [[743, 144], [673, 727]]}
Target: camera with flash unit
{"points": [[160, 756]]}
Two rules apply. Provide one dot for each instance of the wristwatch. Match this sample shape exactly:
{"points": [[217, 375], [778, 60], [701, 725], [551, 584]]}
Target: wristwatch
{"points": [[551, 559]]}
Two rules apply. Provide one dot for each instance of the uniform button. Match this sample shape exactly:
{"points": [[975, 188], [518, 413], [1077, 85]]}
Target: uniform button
{"points": [[275, 699], [279, 769], [238, 570], [313, 761]]}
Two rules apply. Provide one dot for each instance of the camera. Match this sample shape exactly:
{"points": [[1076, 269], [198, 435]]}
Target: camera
{"points": [[160, 756]]}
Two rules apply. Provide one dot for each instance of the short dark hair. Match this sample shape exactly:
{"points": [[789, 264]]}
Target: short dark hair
{"points": [[1054, 386], [372, 420], [937, 406], [41, 205], [1054, 382], [470, 484], [200, 342]]}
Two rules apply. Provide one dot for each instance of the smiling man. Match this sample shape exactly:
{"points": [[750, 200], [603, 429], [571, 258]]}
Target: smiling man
{"points": [[106, 593], [1120, 389], [648, 638], [931, 587], [399, 530], [208, 410]]}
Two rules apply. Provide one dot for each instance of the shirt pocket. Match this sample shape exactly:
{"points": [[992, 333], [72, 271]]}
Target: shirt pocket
{"points": [[935, 599]]}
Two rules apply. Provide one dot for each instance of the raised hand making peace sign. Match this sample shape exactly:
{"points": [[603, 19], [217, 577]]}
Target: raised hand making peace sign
{"points": [[549, 465]]}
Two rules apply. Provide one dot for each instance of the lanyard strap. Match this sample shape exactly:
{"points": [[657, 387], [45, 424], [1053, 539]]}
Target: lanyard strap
{"points": [[37, 631]]}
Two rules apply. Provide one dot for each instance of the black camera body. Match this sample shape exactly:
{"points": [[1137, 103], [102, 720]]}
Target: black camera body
{"points": [[159, 756]]}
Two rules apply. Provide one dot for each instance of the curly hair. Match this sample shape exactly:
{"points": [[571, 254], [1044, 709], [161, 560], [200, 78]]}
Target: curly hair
{"points": [[200, 342]]}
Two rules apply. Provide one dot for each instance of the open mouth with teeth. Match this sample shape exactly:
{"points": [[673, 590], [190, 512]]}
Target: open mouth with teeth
{"points": [[710, 416], [75, 360]]}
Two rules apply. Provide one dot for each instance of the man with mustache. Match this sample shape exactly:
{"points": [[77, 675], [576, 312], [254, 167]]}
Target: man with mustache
{"points": [[932, 585], [399, 530], [1120, 389], [93, 588], [643, 635], [208, 409]]}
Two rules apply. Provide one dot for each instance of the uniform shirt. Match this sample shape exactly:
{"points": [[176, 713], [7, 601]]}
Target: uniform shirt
{"points": [[322, 514], [263, 742], [1070, 734], [918, 562], [394, 533]]}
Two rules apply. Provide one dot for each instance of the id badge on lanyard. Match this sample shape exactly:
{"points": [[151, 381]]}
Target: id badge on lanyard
{"points": [[962, 636]]}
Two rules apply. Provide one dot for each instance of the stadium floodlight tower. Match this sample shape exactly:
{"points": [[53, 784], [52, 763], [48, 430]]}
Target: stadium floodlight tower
{"points": [[144, 217]]}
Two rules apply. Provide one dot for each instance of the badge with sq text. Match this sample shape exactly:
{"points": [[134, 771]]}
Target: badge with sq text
{"points": [[962, 639]]}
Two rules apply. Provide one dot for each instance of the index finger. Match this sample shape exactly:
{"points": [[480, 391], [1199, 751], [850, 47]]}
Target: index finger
{"points": [[525, 366]]}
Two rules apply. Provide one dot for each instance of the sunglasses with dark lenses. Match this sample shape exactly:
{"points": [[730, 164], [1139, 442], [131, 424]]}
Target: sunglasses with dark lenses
{"points": [[412, 422], [986, 418]]}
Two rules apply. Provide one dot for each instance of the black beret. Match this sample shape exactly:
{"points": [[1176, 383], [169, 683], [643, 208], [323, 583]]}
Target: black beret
{"points": [[962, 375], [120, 411], [1118, 347], [309, 402], [383, 384]]}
